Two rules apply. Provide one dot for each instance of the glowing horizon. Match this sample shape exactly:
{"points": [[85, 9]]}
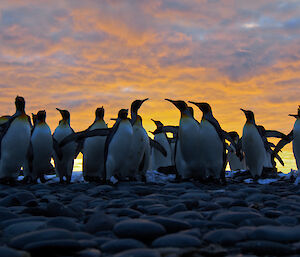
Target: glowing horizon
{"points": [[80, 55]]}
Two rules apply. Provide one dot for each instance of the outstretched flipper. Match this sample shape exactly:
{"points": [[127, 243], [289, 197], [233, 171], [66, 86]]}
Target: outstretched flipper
{"points": [[158, 146], [275, 133], [283, 142], [84, 134]]}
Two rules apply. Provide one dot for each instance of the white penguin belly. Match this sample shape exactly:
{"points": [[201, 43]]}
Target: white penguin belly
{"points": [[180, 163], [296, 143], [137, 149], [159, 159], [42, 145], [93, 154], [119, 150], [211, 150], [189, 134], [65, 165], [14, 147], [254, 149]]}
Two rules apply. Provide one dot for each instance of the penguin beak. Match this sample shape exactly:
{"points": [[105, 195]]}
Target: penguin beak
{"points": [[151, 132], [176, 103], [59, 109], [243, 110], [113, 119], [145, 100], [294, 115]]}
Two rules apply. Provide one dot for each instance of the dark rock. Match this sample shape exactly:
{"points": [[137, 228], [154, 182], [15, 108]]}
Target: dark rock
{"points": [[288, 220], [139, 228], [280, 234], [7, 215], [21, 241], [119, 245], [22, 227], [265, 248], [177, 240], [9, 252], [193, 215], [171, 225], [177, 208], [89, 253], [63, 222], [124, 212], [235, 217], [99, 222], [224, 236], [139, 253]]}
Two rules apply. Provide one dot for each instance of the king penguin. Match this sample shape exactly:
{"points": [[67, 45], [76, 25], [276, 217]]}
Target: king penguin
{"points": [[213, 148], [139, 153], [117, 145], [41, 149], [14, 139], [253, 145], [93, 150], [158, 160], [294, 136], [187, 153], [64, 165]]}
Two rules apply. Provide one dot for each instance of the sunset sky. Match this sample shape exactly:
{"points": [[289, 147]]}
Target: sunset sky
{"points": [[80, 55]]}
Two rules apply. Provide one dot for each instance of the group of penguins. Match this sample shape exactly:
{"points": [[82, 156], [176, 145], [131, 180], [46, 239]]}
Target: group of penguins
{"points": [[197, 150]]}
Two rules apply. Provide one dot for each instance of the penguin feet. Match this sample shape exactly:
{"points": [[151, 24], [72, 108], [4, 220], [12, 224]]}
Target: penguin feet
{"points": [[42, 179]]}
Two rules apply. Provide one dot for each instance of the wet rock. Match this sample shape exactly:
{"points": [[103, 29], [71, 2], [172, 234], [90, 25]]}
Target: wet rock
{"points": [[177, 240], [139, 229], [171, 225], [22, 227], [224, 236], [9, 252], [119, 245], [89, 253], [262, 247], [187, 215], [99, 222], [63, 222], [139, 253], [235, 217]]}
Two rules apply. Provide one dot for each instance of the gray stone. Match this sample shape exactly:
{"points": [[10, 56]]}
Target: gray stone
{"points": [[177, 240], [224, 236], [9, 252], [99, 222], [235, 217], [139, 253], [63, 222], [139, 228], [119, 245], [171, 225], [22, 227]]}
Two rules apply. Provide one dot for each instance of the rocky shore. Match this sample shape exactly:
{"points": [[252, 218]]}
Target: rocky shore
{"points": [[153, 219]]}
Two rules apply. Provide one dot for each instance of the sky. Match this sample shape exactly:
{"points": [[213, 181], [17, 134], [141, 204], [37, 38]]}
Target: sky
{"points": [[80, 55]]}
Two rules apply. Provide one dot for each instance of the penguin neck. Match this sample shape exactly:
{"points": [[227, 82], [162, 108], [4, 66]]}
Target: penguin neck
{"points": [[64, 122], [20, 112], [250, 122], [133, 116], [207, 116]]}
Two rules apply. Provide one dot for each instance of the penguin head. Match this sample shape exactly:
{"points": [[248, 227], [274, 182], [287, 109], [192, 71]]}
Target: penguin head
{"points": [[20, 103], [191, 110], [297, 116], [41, 116], [33, 118], [99, 113], [135, 106], [204, 107], [234, 135], [249, 115], [123, 113], [157, 123], [180, 105], [65, 115]]}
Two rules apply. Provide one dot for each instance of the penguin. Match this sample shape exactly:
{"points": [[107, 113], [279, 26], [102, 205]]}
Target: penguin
{"points": [[41, 149], [139, 151], [64, 165], [158, 160], [294, 136], [117, 147], [14, 139], [187, 156], [253, 145], [235, 163], [213, 147], [93, 150]]}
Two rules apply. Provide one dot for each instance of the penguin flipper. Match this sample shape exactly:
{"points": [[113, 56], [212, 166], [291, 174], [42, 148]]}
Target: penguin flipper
{"points": [[275, 133], [283, 142], [57, 149], [158, 146], [279, 159], [167, 129]]}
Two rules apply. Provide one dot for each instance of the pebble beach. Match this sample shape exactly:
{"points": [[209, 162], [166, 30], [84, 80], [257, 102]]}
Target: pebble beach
{"points": [[159, 218]]}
